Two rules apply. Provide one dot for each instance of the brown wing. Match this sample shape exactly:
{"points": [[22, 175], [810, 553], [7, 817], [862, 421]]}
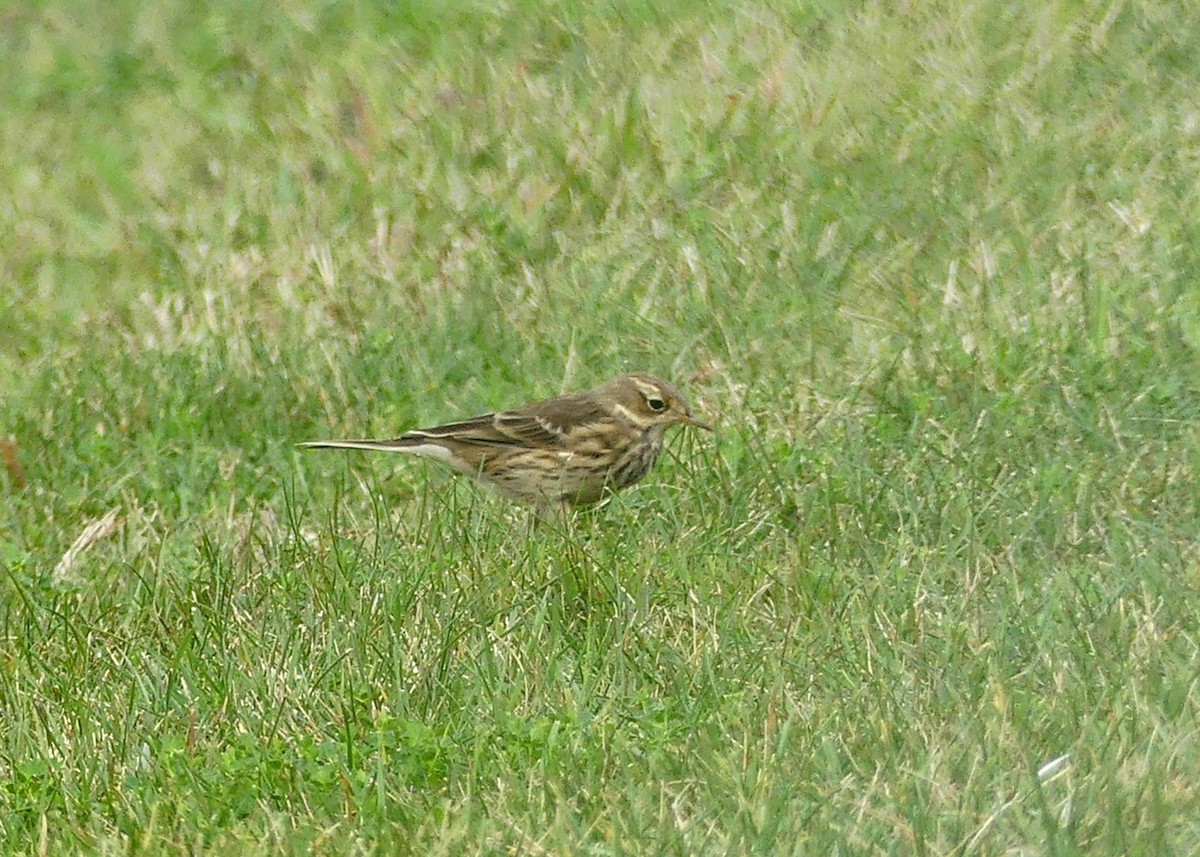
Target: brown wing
{"points": [[551, 422], [543, 424], [477, 430]]}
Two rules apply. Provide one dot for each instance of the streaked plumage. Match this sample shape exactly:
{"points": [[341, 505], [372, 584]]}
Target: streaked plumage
{"points": [[566, 450]]}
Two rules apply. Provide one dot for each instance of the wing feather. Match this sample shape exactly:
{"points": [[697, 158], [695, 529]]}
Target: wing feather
{"points": [[545, 425]]}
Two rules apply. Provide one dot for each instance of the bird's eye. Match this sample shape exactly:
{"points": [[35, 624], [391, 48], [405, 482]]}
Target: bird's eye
{"points": [[656, 404]]}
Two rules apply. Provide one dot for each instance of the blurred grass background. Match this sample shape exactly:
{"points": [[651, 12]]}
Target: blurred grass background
{"points": [[932, 269]]}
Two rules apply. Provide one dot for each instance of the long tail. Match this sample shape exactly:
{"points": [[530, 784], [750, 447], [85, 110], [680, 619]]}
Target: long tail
{"points": [[399, 444]]}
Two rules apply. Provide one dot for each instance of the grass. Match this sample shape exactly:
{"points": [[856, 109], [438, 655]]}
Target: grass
{"points": [[932, 270]]}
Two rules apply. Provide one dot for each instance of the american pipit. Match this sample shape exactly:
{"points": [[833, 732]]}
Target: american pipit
{"points": [[568, 450]]}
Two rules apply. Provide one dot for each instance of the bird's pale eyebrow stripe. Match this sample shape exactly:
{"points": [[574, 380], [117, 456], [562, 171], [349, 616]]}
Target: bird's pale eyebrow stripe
{"points": [[647, 389]]}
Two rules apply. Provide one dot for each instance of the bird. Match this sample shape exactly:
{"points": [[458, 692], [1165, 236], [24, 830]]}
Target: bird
{"points": [[570, 450]]}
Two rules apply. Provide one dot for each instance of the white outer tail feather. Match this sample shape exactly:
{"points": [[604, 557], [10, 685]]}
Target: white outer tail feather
{"points": [[427, 450]]}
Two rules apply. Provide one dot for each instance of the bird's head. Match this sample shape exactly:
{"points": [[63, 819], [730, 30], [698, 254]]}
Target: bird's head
{"points": [[650, 402]]}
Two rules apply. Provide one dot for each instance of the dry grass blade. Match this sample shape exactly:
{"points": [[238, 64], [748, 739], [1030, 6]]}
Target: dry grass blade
{"points": [[92, 533], [12, 463]]}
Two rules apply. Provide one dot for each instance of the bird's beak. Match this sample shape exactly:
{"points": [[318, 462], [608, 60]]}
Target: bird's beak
{"points": [[688, 419]]}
